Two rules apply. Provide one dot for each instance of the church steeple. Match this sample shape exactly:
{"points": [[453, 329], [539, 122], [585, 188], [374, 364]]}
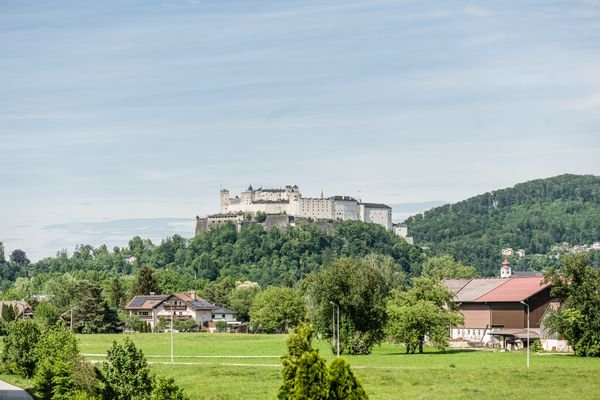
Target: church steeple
{"points": [[505, 270]]}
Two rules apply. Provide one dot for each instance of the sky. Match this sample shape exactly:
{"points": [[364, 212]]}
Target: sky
{"points": [[123, 118]]}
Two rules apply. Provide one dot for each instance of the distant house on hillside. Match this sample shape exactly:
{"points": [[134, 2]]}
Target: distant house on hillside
{"points": [[179, 306], [22, 308]]}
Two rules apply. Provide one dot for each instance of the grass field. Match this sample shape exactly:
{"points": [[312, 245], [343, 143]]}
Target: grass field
{"points": [[228, 366]]}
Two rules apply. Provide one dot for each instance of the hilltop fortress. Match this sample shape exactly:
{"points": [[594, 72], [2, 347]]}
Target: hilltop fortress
{"points": [[283, 206]]}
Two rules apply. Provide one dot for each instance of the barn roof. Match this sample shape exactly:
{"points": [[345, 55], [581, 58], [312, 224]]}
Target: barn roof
{"points": [[476, 288], [515, 289]]}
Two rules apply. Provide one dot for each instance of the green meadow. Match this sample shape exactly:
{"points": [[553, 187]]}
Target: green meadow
{"points": [[231, 366]]}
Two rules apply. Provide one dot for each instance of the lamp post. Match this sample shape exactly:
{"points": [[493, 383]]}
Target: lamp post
{"points": [[336, 335], [528, 343], [172, 313]]}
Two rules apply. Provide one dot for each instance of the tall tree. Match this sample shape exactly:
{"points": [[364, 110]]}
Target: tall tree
{"points": [[275, 310], [425, 311], [306, 376], [241, 298], [117, 295], [8, 312], [446, 266], [145, 282], [126, 373], [18, 353], [361, 292], [19, 257], [577, 285], [91, 313]]}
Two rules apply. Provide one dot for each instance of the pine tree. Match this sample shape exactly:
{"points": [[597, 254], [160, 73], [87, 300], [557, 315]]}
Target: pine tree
{"points": [[145, 282]]}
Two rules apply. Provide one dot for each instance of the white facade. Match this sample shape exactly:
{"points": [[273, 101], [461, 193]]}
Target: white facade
{"points": [[377, 214], [289, 201]]}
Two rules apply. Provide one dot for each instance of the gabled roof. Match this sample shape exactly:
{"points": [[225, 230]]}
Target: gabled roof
{"points": [[222, 310], [513, 289], [196, 302], [23, 308], [477, 288], [146, 301], [516, 289]]}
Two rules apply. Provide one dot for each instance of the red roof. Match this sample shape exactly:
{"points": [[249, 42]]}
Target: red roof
{"points": [[515, 289]]}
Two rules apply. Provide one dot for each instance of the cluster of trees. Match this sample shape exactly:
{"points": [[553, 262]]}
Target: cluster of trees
{"points": [[307, 376], [269, 257], [532, 216], [577, 286], [51, 358], [375, 301]]}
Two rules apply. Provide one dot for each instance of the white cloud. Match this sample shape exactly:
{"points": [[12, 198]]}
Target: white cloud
{"points": [[477, 11], [585, 103]]}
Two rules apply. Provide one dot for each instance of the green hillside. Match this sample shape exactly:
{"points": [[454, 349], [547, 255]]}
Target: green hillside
{"points": [[533, 216]]}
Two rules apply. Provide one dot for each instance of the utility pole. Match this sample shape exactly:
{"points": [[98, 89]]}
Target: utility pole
{"points": [[528, 343], [336, 332], [172, 314]]}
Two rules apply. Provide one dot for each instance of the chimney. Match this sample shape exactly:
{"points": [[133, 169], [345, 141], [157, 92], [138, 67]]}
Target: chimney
{"points": [[192, 294]]}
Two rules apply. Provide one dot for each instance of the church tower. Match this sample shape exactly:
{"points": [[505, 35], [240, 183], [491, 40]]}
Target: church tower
{"points": [[505, 271]]}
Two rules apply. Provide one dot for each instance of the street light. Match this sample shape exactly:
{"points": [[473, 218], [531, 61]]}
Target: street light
{"points": [[172, 314], [528, 343], [336, 336]]}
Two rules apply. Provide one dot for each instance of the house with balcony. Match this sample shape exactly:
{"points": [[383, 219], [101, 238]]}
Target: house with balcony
{"points": [[179, 306]]}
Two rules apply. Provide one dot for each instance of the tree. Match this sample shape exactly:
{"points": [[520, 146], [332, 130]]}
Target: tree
{"points": [[9, 312], [19, 257], [306, 376], [46, 314], [91, 313], [61, 291], [126, 373], [361, 292], [577, 286], [314, 369], [343, 385], [276, 309], [145, 282], [425, 311], [240, 299], [446, 266], [167, 389], [18, 354], [116, 293], [61, 373], [260, 216]]}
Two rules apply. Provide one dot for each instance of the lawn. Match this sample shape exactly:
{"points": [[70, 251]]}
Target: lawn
{"points": [[229, 366]]}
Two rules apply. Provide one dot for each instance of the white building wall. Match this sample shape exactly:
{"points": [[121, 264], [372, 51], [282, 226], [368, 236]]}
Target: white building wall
{"points": [[381, 216], [315, 208], [346, 210]]}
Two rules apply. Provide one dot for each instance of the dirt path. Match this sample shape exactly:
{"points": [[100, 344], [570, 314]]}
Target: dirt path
{"points": [[10, 392]]}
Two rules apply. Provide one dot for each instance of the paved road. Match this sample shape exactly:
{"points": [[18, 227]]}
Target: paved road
{"points": [[10, 392]]}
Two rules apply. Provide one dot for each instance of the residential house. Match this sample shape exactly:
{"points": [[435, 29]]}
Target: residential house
{"points": [[22, 308], [179, 306]]}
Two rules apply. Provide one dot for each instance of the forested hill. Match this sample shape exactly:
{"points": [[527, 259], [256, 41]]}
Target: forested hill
{"points": [[269, 257], [533, 216]]}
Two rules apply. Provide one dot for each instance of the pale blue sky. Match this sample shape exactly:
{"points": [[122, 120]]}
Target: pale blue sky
{"points": [[135, 110]]}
